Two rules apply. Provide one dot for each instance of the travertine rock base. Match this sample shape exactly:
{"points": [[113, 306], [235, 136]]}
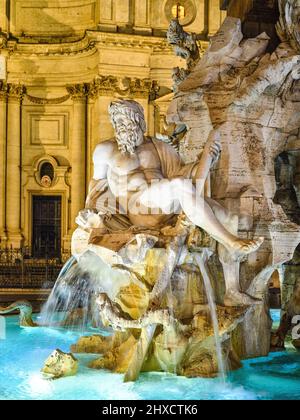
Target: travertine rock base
{"points": [[60, 364]]}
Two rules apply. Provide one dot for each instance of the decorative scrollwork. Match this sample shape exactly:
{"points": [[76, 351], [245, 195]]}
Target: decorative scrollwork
{"points": [[129, 87], [16, 92], [78, 92], [3, 91]]}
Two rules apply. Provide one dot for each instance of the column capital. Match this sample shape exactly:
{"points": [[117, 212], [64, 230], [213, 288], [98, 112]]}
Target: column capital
{"points": [[3, 41], [3, 91], [16, 93], [93, 90], [78, 92]]}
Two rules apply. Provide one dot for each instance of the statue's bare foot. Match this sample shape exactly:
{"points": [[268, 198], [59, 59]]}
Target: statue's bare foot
{"points": [[235, 298], [245, 246]]}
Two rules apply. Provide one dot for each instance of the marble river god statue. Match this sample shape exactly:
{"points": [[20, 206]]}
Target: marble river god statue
{"points": [[146, 208], [146, 177]]}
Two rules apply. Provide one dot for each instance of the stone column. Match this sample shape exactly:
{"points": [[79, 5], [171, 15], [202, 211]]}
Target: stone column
{"points": [[3, 16], [90, 137], [79, 138], [13, 179], [3, 112], [94, 91], [142, 17]]}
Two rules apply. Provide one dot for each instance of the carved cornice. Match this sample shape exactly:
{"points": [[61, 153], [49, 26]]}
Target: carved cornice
{"points": [[16, 92], [89, 44], [110, 40], [27, 47], [103, 85], [129, 87], [3, 91]]}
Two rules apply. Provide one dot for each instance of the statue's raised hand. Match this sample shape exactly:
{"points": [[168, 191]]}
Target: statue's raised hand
{"points": [[213, 147], [209, 156], [89, 219]]}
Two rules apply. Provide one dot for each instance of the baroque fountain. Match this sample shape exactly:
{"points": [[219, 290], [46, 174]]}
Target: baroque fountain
{"points": [[181, 235]]}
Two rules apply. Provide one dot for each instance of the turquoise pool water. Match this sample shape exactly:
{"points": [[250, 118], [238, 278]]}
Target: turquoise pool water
{"points": [[24, 351], [275, 314]]}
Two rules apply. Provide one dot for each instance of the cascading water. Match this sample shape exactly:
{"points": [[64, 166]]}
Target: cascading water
{"points": [[71, 302], [201, 258], [83, 279]]}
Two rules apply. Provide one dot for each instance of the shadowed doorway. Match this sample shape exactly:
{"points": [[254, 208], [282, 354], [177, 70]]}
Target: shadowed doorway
{"points": [[46, 226]]}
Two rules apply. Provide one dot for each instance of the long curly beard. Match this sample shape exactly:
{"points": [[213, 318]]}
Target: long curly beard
{"points": [[127, 141]]}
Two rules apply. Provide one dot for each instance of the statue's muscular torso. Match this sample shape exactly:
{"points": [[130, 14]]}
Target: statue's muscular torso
{"points": [[129, 175]]}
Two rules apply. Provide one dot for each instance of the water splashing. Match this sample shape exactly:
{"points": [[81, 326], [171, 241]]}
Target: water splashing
{"points": [[201, 259], [71, 303]]}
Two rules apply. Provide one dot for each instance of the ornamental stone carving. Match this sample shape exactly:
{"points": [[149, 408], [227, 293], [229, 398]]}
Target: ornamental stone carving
{"points": [[129, 87], [288, 27], [3, 41], [47, 101], [46, 181], [78, 92], [16, 92], [3, 91], [185, 46]]}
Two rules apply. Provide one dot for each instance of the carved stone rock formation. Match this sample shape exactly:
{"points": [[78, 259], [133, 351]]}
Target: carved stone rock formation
{"points": [[177, 335], [237, 88], [25, 309], [288, 25], [60, 364], [290, 296], [191, 353], [253, 97]]}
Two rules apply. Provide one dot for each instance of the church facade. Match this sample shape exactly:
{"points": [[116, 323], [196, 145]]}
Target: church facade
{"points": [[61, 63]]}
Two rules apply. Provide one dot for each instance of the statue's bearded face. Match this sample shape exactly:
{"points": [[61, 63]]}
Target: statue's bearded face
{"points": [[128, 133]]}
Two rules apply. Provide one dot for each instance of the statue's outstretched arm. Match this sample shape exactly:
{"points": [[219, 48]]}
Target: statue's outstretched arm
{"points": [[210, 155]]}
